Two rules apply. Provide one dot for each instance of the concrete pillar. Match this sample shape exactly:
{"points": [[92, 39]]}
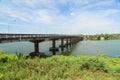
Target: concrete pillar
{"points": [[53, 48], [62, 45], [36, 48], [67, 43], [70, 42]]}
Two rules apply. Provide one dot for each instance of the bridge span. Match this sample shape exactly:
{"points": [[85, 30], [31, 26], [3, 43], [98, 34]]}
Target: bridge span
{"points": [[37, 38]]}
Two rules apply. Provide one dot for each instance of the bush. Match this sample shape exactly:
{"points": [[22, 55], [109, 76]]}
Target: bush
{"points": [[61, 68]]}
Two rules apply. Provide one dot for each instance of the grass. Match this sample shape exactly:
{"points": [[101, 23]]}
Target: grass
{"points": [[59, 67]]}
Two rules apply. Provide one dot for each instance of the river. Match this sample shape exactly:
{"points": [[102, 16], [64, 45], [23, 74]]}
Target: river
{"points": [[110, 48]]}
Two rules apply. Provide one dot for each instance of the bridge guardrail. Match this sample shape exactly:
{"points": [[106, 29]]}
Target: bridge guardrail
{"points": [[13, 36]]}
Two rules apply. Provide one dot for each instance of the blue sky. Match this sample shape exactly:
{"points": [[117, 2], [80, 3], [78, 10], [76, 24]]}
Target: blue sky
{"points": [[60, 16]]}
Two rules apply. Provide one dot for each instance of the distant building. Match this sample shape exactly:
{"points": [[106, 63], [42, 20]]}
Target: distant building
{"points": [[102, 38]]}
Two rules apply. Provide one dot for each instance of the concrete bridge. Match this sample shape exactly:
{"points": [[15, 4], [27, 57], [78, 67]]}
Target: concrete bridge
{"points": [[37, 38]]}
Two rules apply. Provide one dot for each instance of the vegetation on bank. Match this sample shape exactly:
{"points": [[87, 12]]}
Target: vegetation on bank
{"points": [[59, 67], [102, 36]]}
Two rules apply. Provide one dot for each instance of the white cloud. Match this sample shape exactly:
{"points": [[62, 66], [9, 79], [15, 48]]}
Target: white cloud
{"points": [[24, 16], [109, 12], [36, 16], [72, 13], [25, 2], [44, 16], [79, 20], [92, 4], [10, 24], [49, 4], [90, 22]]}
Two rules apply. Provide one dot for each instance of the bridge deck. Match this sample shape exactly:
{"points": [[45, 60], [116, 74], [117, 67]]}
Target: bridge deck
{"points": [[29, 37]]}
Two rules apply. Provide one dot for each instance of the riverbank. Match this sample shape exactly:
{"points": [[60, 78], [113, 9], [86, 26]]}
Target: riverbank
{"points": [[59, 67]]}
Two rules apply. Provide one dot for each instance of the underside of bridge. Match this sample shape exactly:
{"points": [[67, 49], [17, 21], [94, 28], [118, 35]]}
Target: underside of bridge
{"points": [[54, 49]]}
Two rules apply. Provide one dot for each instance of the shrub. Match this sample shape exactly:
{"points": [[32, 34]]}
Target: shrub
{"points": [[61, 68]]}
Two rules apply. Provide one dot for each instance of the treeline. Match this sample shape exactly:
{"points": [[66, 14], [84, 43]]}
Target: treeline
{"points": [[102, 37]]}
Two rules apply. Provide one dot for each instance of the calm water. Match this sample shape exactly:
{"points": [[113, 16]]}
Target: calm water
{"points": [[110, 48]]}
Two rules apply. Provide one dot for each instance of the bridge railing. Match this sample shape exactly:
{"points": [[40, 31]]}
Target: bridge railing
{"points": [[7, 36]]}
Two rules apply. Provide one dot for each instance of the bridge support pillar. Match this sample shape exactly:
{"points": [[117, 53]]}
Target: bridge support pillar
{"points": [[70, 42], [36, 48], [53, 48], [62, 45], [67, 43]]}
